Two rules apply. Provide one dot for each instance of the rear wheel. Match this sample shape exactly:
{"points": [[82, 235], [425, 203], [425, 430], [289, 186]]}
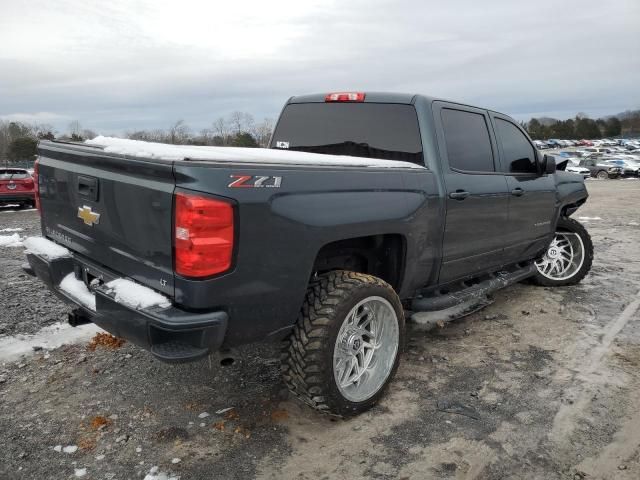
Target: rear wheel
{"points": [[602, 175], [569, 256], [346, 344]]}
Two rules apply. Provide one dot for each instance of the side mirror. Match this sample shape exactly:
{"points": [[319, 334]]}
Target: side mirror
{"points": [[548, 165]]}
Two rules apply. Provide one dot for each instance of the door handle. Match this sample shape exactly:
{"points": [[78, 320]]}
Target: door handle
{"points": [[459, 195], [517, 192], [88, 187]]}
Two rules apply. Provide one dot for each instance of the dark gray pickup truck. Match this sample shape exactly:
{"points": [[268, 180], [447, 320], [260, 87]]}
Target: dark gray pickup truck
{"points": [[365, 206]]}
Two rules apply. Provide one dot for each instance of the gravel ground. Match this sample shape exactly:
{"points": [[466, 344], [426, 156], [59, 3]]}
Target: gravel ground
{"points": [[26, 307], [543, 383]]}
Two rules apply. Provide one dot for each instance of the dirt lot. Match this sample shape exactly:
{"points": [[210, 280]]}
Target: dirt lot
{"points": [[543, 383]]}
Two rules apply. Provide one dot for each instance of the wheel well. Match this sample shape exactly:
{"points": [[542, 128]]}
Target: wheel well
{"points": [[569, 209], [379, 255]]}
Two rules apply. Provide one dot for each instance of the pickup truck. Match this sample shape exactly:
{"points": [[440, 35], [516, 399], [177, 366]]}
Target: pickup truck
{"points": [[365, 206], [599, 168]]}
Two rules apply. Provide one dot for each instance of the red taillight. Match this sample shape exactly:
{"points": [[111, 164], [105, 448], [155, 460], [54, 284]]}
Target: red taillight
{"points": [[203, 235], [36, 183], [345, 97]]}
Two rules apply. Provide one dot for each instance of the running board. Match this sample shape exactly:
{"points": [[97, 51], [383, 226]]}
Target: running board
{"points": [[448, 296]]}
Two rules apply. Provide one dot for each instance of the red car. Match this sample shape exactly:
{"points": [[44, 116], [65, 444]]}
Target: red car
{"points": [[17, 186]]}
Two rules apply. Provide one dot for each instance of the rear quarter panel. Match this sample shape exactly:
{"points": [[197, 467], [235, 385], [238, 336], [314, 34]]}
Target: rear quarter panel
{"points": [[281, 230]]}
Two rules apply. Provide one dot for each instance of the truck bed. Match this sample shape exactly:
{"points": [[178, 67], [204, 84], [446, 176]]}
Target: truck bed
{"points": [[278, 231], [237, 155]]}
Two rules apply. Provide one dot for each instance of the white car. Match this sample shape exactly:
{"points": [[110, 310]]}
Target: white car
{"points": [[577, 169]]}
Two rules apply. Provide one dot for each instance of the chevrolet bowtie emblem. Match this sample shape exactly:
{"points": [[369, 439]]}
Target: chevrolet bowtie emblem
{"points": [[90, 218]]}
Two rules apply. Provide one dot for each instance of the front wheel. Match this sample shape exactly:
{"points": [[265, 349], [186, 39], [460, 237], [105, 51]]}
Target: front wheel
{"points": [[568, 258], [345, 347]]}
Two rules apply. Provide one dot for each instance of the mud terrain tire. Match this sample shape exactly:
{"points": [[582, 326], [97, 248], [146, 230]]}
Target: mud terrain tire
{"points": [[311, 361]]}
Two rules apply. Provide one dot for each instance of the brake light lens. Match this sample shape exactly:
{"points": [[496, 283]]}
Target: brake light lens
{"points": [[36, 184], [345, 97], [204, 235]]}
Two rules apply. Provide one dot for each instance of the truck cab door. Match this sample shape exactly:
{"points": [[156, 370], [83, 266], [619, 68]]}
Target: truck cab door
{"points": [[532, 196], [476, 192]]}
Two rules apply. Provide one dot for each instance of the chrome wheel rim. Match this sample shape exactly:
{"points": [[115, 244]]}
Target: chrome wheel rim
{"points": [[366, 349], [564, 257]]}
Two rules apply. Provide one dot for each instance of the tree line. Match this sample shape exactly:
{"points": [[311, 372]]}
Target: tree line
{"points": [[622, 125], [19, 140], [239, 129]]}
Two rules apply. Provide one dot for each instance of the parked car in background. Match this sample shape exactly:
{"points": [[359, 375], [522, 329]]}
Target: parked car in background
{"points": [[17, 186], [554, 143], [598, 150], [540, 145], [599, 169], [629, 169], [572, 168], [566, 154]]}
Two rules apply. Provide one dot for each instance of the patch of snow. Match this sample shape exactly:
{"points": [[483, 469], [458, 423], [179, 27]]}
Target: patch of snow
{"points": [[100, 457], [10, 240], [223, 410], [429, 320], [203, 415], [633, 224], [57, 448], [80, 472], [135, 295], [78, 291], [50, 337], [587, 219], [45, 248], [155, 474], [137, 148], [175, 460], [11, 230], [70, 449]]}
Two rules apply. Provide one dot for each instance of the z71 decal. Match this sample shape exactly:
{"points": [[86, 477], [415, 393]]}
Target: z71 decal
{"points": [[255, 181]]}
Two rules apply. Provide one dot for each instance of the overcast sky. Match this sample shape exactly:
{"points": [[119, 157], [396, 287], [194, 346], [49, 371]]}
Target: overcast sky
{"points": [[119, 65]]}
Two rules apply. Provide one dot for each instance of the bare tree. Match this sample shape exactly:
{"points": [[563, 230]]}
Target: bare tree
{"points": [[75, 128], [263, 131], [43, 130], [241, 122], [88, 134], [179, 133], [220, 128]]}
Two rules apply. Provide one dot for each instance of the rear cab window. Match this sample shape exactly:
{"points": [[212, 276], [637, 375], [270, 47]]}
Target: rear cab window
{"points": [[386, 131]]}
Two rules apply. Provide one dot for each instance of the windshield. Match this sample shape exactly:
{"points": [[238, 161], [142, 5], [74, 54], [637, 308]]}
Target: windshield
{"points": [[374, 130]]}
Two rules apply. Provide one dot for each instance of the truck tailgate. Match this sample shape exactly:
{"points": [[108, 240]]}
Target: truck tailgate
{"points": [[116, 211]]}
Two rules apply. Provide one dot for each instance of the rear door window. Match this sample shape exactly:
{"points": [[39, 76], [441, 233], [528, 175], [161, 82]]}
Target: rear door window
{"points": [[467, 139], [519, 154], [375, 130]]}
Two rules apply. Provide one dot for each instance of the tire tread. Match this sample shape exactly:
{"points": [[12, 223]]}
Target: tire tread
{"points": [[302, 359]]}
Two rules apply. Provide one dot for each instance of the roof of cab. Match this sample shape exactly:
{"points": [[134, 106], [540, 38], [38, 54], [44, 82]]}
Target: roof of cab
{"points": [[385, 97]]}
